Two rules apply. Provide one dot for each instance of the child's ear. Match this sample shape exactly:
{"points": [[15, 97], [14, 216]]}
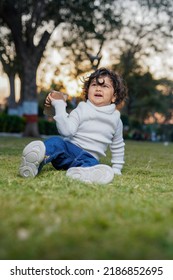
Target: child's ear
{"points": [[113, 98]]}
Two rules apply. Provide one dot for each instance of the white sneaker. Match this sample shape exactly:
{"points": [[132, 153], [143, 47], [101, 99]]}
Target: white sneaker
{"points": [[32, 156], [100, 174]]}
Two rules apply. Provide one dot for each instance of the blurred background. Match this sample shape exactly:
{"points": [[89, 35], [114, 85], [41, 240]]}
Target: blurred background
{"points": [[50, 44]]}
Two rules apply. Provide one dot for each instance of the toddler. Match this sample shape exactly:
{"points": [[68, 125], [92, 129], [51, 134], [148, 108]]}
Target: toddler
{"points": [[85, 133]]}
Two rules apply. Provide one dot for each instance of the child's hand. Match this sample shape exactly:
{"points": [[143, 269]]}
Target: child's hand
{"points": [[55, 95]]}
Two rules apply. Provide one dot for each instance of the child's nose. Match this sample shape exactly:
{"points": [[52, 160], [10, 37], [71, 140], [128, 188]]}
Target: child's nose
{"points": [[98, 87]]}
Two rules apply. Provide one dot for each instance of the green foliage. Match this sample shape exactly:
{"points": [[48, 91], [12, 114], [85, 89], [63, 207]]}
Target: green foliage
{"points": [[146, 95], [47, 127], [11, 123], [16, 124], [54, 217]]}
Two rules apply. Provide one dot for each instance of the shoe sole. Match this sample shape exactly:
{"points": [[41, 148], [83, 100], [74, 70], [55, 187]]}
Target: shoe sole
{"points": [[100, 174], [32, 156]]}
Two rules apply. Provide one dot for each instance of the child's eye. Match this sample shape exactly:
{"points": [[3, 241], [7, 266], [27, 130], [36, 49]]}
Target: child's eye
{"points": [[105, 86], [93, 84]]}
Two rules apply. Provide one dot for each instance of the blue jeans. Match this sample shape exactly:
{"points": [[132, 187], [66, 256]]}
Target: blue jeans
{"points": [[64, 154]]}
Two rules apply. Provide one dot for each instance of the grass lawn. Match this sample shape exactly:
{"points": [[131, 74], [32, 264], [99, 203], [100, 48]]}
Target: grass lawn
{"points": [[54, 217]]}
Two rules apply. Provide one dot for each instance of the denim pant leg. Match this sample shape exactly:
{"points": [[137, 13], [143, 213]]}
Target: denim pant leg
{"points": [[64, 154], [84, 159]]}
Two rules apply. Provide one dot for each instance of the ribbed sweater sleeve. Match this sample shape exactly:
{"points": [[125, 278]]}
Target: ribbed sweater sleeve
{"points": [[67, 124], [117, 149]]}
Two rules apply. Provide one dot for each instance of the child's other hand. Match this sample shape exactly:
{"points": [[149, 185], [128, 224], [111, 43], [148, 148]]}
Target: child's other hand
{"points": [[117, 171]]}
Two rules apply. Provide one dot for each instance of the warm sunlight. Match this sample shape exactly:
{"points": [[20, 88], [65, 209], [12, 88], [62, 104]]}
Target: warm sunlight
{"points": [[48, 67], [73, 88], [4, 89]]}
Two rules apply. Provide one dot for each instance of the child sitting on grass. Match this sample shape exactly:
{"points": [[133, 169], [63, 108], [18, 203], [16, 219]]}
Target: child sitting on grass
{"points": [[85, 133]]}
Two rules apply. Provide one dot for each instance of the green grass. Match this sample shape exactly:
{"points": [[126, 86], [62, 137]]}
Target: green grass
{"points": [[53, 217]]}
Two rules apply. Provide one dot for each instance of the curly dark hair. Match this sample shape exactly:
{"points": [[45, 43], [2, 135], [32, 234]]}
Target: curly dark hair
{"points": [[120, 89]]}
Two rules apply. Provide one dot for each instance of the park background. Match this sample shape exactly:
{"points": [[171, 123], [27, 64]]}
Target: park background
{"points": [[52, 45]]}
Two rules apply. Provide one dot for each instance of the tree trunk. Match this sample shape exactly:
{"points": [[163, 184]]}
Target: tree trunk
{"points": [[31, 130], [12, 106], [29, 99]]}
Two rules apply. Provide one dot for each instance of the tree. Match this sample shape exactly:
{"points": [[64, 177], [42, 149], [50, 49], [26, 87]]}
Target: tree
{"points": [[10, 65], [134, 26], [90, 25], [146, 95], [146, 30], [166, 87], [31, 24], [84, 49], [24, 19]]}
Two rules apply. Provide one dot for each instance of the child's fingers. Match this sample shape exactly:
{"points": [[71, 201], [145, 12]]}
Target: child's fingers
{"points": [[54, 95], [47, 104], [58, 95], [47, 101]]}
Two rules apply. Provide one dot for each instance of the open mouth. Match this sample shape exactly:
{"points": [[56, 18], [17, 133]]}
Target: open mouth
{"points": [[98, 95]]}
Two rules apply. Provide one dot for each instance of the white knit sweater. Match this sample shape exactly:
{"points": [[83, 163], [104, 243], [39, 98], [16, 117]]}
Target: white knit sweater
{"points": [[93, 129]]}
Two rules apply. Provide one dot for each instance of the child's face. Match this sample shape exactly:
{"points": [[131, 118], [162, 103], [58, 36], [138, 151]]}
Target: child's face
{"points": [[101, 94]]}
